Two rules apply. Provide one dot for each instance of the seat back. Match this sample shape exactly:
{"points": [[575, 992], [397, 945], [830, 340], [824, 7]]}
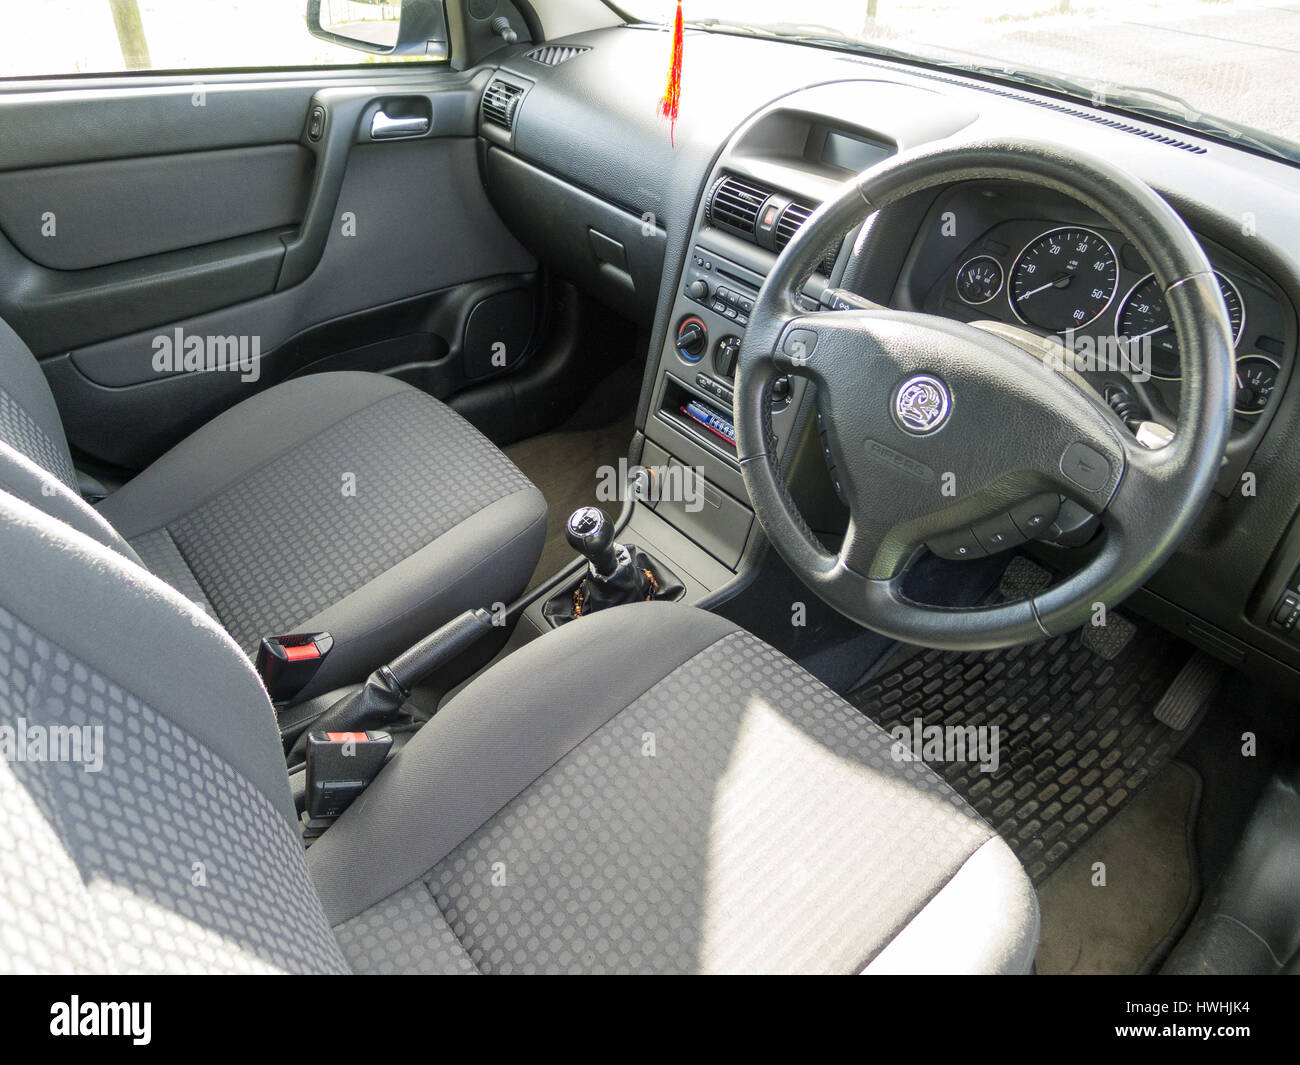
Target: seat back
{"points": [[147, 819], [29, 418], [35, 463]]}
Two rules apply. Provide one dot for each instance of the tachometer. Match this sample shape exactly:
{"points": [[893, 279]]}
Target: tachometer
{"points": [[1064, 279], [1143, 317]]}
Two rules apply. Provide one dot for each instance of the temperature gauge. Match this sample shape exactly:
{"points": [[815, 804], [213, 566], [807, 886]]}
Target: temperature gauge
{"points": [[979, 279], [1256, 379]]}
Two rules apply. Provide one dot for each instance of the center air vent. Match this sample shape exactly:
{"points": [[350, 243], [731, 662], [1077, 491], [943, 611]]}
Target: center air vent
{"points": [[735, 204], [500, 100], [788, 224], [552, 55]]}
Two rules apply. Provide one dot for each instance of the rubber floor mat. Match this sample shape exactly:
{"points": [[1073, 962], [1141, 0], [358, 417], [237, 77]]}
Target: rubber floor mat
{"points": [[1075, 732]]}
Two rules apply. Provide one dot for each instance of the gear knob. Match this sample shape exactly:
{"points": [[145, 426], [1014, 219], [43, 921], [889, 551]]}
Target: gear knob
{"points": [[590, 532]]}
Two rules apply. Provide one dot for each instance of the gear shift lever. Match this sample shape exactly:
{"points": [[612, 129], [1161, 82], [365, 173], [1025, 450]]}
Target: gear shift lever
{"points": [[591, 534], [615, 574]]}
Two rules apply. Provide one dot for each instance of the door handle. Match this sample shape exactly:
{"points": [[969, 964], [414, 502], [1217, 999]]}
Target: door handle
{"points": [[383, 127]]}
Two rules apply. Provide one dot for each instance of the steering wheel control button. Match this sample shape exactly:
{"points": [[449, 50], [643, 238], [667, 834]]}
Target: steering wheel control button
{"points": [[958, 545], [921, 405], [800, 344], [1034, 517], [1085, 467], [997, 534]]}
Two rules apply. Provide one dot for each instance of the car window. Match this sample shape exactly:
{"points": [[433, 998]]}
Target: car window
{"points": [[57, 37]]}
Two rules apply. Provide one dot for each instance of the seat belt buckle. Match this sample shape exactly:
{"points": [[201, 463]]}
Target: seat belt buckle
{"points": [[287, 664], [340, 766]]}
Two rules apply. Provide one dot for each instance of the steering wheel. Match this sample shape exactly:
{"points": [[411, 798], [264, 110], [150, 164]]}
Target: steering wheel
{"points": [[934, 425]]}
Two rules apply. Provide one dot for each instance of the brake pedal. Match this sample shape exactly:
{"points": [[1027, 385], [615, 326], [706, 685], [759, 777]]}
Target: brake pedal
{"points": [[1189, 692], [1022, 579], [1110, 639]]}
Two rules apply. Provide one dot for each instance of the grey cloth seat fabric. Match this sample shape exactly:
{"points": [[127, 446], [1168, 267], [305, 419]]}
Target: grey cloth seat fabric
{"points": [[705, 806], [654, 789], [349, 503], [147, 820]]}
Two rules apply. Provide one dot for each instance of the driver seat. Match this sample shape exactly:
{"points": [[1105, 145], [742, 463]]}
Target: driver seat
{"points": [[649, 789]]}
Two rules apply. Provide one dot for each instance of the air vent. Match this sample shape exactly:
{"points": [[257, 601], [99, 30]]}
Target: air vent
{"points": [[734, 205], [500, 100], [788, 224], [552, 55], [792, 218]]}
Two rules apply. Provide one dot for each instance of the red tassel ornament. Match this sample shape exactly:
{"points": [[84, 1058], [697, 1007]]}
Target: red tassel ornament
{"points": [[671, 104]]}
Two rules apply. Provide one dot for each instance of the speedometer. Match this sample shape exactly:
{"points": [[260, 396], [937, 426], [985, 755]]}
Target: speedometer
{"points": [[1143, 318], [1064, 279]]}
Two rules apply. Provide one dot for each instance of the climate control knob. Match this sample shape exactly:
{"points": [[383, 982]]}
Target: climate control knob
{"points": [[725, 355], [692, 338]]}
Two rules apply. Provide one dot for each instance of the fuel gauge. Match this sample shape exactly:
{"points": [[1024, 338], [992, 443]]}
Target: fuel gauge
{"points": [[979, 279], [1256, 379]]}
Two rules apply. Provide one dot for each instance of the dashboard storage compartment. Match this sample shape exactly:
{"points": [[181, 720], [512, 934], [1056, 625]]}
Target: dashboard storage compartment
{"points": [[616, 256], [703, 417]]}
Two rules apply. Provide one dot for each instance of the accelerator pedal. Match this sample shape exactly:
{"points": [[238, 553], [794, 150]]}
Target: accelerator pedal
{"points": [[1190, 691]]}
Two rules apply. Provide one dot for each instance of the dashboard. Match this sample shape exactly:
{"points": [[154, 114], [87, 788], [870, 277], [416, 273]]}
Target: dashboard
{"points": [[679, 234]]}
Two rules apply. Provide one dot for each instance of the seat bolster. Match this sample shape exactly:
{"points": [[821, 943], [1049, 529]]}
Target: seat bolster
{"points": [[145, 635], [238, 442], [983, 920], [466, 567], [502, 732], [33, 484], [28, 413]]}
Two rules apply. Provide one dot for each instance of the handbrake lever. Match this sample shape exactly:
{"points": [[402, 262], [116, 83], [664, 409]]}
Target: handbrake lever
{"points": [[386, 690]]}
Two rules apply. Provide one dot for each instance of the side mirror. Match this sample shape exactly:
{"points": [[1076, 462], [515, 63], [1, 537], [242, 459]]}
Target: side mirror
{"points": [[382, 27]]}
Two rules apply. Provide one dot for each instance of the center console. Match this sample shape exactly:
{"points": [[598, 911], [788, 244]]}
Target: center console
{"points": [[767, 184]]}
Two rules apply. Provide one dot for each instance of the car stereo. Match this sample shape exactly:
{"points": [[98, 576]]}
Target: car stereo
{"points": [[726, 288]]}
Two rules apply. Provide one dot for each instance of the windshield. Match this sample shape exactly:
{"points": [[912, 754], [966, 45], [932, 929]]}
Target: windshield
{"points": [[1223, 67]]}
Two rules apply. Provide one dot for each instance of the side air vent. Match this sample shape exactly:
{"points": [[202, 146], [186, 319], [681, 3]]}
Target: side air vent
{"points": [[735, 204], [552, 55], [500, 99], [788, 224]]}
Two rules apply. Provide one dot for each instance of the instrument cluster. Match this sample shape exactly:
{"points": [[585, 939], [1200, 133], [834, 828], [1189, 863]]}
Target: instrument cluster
{"points": [[1073, 280]]}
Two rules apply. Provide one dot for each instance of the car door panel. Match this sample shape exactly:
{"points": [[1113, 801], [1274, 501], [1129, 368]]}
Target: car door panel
{"points": [[108, 212], [221, 210]]}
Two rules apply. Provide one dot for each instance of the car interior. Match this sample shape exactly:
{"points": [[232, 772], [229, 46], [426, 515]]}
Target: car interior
{"points": [[468, 508]]}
